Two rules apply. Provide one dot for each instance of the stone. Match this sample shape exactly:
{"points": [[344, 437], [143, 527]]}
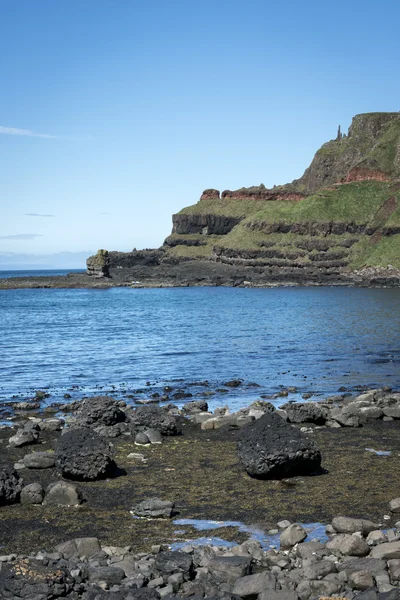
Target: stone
{"points": [[78, 547], [249, 585], [63, 493], [292, 535], [386, 550], [153, 436], [32, 494], [360, 580], [376, 537], [111, 575], [52, 424], [305, 412], [319, 569], [372, 565], [277, 595], [10, 486], [173, 562], [98, 265], [349, 545], [39, 460], [195, 406], [154, 417], [229, 568], [154, 508], [141, 439], [394, 505], [83, 455], [271, 448], [350, 525], [392, 411], [23, 438], [99, 410]]}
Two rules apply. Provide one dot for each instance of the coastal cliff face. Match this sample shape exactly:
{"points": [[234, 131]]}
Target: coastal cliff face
{"points": [[339, 221]]}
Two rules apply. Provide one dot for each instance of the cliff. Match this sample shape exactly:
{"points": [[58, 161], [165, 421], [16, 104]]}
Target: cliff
{"points": [[338, 223]]}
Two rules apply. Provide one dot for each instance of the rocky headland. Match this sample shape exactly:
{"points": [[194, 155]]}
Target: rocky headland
{"points": [[101, 499], [338, 224]]}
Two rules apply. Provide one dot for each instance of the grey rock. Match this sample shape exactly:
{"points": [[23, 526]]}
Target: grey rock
{"points": [[63, 493], [154, 508], [394, 570], [111, 575], [32, 494], [376, 537], [79, 547], [52, 424], [386, 550], [277, 595], [195, 406], [306, 412], [10, 486], [39, 460], [394, 505], [229, 568], [153, 436], [319, 569], [271, 448], [349, 545], [173, 562], [361, 580], [392, 411], [24, 438], [372, 565], [250, 585], [82, 454], [292, 535], [350, 525], [141, 439]]}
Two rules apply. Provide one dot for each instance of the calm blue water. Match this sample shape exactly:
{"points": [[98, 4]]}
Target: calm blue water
{"points": [[4, 274], [317, 339]]}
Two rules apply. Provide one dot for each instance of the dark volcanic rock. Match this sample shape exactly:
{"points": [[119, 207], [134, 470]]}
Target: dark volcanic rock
{"points": [[270, 448], [83, 455], [154, 417], [10, 486], [100, 410], [174, 562]]}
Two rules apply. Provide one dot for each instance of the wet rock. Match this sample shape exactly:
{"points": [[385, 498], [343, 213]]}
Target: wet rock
{"points": [[270, 448], [154, 508], [292, 535], [154, 417], [350, 525], [63, 493], [99, 410], [32, 494], [233, 383], [39, 460], [195, 406], [10, 486], [83, 455]]}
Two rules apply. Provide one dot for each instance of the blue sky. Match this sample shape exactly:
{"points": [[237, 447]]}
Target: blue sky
{"points": [[139, 106]]}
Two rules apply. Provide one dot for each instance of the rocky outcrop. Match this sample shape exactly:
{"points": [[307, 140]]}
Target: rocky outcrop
{"points": [[205, 224], [98, 265], [260, 192]]}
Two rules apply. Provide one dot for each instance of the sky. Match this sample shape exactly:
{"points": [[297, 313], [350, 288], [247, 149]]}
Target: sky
{"points": [[115, 114]]}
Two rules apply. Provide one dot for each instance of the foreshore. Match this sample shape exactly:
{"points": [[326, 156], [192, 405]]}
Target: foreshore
{"points": [[198, 472], [207, 273]]}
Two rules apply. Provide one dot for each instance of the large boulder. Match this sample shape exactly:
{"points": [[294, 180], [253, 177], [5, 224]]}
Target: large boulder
{"points": [[10, 486], [306, 412], [100, 410], [270, 448], [83, 455], [154, 417]]}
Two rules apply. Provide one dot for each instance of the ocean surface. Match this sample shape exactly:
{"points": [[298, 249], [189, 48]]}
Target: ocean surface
{"points": [[132, 342], [6, 274]]}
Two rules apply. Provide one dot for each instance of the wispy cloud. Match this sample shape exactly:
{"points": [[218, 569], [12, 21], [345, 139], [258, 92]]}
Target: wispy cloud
{"points": [[104, 213], [27, 132], [21, 236], [37, 215]]}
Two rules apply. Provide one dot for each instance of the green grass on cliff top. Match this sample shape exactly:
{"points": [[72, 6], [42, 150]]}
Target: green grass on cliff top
{"points": [[352, 202]]}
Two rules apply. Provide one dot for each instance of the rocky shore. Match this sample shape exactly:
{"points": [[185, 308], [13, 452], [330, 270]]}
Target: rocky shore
{"points": [[90, 492]]}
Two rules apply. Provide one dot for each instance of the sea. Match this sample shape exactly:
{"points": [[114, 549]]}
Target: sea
{"points": [[133, 343]]}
